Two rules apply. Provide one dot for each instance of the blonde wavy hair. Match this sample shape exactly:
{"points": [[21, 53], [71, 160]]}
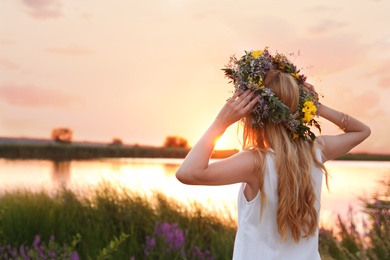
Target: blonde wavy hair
{"points": [[293, 161]]}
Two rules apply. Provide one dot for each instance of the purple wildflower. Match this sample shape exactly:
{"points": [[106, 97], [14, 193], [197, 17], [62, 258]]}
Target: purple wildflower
{"points": [[376, 220], [172, 239], [198, 254], [169, 239], [14, 253], [179, 239], [196, 251], [75, 256], [35, 244], [23, 252], [163, 229], [52, 255], [150, 244]]}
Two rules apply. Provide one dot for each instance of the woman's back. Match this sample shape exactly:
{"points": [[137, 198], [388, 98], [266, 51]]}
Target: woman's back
{"points": [[258, 237]]}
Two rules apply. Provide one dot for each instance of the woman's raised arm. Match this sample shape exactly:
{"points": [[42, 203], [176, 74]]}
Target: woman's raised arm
{"points": [[196, 169], [355, 132]]}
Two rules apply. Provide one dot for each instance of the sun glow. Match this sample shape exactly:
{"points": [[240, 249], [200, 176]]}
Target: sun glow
{"points": [[227, 142], [221, 143]]}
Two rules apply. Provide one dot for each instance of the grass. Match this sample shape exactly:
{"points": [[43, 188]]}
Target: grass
{"points": [[116, 222], [105, 214], [345, 241]]}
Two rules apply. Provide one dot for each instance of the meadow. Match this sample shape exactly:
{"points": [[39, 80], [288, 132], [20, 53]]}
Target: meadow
{"points": [[115, 223]]}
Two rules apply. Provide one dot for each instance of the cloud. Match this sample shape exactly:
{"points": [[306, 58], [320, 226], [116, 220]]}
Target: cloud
{"points": [[8, 65], [383, 43], [44, 9], [323, 8], [15, 124], [364, 103], [384, 82], [333, 53], [70, 50], [381, 69], [5, 41], [325, 26], [86, 16], [382, 73], [35, 97]]}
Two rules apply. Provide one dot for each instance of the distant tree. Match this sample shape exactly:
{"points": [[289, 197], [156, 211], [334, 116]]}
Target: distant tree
{"points": [[175, 141], [62, 134], [116, 141]]}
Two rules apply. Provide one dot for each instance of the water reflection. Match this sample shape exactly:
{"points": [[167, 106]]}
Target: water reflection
{"points": [[348, 182], [60, 174], [115, 165], [170, 168]]}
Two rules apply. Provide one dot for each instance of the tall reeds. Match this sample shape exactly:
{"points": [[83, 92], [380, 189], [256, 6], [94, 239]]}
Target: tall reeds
{"points": [[112, 221], [105, 214]]}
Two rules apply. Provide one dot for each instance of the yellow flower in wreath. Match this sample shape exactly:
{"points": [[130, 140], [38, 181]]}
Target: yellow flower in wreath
{"points": [[295, 75], [256, 54], [309, 109]]}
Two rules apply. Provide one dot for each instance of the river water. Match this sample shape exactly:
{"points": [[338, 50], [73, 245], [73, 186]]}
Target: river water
{"points": [[350, 181]]}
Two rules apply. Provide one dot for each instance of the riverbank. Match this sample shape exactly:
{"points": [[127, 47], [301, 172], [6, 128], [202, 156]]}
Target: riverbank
{"points": [[52, 150], [11, 148]]}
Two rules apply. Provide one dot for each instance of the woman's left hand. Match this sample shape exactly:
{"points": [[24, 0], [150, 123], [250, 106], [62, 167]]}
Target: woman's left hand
{"points": [[236, 107]]}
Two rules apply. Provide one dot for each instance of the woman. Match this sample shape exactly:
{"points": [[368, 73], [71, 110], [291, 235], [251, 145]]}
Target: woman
{"points": [[282, 161]]}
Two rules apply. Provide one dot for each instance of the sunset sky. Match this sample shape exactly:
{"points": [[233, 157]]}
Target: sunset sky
{"points": [[143, 70]]}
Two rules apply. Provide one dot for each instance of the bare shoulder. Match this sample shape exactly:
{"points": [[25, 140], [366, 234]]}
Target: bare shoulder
{"points": [[244, 159], [238, 168], [249, 158]]}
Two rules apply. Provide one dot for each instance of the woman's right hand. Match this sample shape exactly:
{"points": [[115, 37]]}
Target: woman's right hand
{"points": [[311, 89], [236, 107]]}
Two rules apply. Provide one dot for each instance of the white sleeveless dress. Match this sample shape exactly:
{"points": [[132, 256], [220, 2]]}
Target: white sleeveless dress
{"points": [[260, 239]]}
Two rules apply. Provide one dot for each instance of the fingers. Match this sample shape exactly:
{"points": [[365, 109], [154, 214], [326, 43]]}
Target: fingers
{"points": [[236, 107], [251, 105], [234, 97], [308, 85], [239, 96], [243, 101], [245, 98]]}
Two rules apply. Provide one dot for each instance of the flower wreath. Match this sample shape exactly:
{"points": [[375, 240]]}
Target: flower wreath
{"points": [[250, 71]]}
